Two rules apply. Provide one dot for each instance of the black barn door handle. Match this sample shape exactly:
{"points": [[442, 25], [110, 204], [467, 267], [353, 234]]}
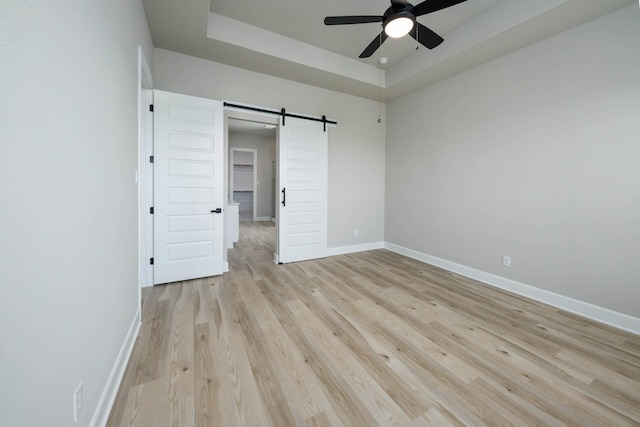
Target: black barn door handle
{"points": [[284, 196]]}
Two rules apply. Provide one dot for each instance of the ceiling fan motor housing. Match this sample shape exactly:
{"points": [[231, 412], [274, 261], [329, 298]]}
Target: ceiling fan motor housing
{"points": [[398, 11]]}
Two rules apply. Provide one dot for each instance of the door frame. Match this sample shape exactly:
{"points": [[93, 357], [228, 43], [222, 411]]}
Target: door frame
{"points": [[144, 173]]}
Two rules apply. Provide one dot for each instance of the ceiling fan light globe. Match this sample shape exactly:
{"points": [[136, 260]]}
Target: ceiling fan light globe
{"points": [[398, 27]]}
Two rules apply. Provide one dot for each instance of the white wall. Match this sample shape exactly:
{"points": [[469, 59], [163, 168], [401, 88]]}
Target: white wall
{"points": [[535, 155], [356, 145], [68, 201], [263, 144]]}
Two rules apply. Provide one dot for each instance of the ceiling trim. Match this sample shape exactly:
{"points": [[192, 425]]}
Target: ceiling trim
{"points": [[265, 42], [498, 28]]}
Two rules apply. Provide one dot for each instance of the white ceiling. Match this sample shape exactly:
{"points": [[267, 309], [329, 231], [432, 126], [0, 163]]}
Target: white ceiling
{"points": [[348, 40], [288, 38]]}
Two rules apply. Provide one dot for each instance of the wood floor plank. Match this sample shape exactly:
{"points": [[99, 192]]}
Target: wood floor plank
{"points": [[277, 406], [350, 411], [180, 412], [238, 395], [206, 379], [431, 373], [344, 327], [496, 364], [363, 339], [180, 356], [144, 405], [434, 417], [600, 371], [400, 330], [288, 359], [384, 410]]}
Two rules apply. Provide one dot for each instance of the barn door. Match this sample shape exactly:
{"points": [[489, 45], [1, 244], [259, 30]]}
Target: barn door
{"points": [[302, 207]]}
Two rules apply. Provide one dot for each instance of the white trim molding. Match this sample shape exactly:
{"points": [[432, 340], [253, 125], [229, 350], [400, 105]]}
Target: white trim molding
{"points": [[585, 309], [341, 250], [144, 173], [103, 409]]}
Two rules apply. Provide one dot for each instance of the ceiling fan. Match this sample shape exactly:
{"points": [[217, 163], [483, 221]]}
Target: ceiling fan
{"points": [[398, 21]]}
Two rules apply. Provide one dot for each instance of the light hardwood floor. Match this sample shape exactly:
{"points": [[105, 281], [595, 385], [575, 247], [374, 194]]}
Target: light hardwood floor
{"points": [[367, 339]]}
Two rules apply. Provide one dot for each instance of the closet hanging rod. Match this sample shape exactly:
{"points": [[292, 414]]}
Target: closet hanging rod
{"points": [[282, 113]]}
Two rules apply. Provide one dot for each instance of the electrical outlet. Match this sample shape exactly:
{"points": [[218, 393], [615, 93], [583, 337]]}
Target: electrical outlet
{"points": [[356, 232], [506, 261], [77, 402]]}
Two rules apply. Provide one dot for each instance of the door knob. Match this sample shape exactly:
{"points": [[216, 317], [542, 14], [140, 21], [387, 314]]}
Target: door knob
{"points": [[218, 210]]}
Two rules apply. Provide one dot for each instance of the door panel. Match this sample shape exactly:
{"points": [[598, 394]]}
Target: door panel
{"points": [[302, 211], [188, 180]]}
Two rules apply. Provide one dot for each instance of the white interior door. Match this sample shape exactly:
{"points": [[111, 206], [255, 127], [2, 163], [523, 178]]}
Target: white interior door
{"points": [[188, 187], [302, 208]]}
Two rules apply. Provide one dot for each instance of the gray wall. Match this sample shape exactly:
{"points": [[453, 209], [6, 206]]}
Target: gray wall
{"points": [[356, 145], [535, 155], [68, 201], [264, 147]]}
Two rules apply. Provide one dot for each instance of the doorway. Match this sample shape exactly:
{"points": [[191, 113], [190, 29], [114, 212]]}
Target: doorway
{"points": [[252, 162], [251, 141]]}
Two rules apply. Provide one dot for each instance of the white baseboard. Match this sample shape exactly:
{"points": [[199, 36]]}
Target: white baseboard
{"points": [[588, 310], [225, 266], [262, 218], [341, 250], [101, 414]]}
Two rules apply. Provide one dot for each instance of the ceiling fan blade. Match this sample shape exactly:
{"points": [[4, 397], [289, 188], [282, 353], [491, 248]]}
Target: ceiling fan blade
{"points": [[425, 36], [429, 6], [345, 20], [374, 45]]}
